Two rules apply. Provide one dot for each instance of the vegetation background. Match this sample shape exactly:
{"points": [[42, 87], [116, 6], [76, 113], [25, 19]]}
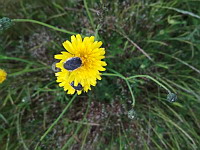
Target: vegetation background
{"points": [[30, 99]]}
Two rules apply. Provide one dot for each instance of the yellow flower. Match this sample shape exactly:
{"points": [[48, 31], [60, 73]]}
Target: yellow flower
{"points": [[3, 75], [81, 65]]}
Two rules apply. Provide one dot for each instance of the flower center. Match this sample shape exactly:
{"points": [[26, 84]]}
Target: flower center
{"points": [[84, 59], [87, 61]]}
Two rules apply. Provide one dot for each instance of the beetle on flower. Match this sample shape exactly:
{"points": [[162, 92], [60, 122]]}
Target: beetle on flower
{"points": [[81, 64]]}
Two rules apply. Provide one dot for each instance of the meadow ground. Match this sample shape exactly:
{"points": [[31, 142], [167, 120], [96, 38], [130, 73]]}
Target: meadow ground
{"points": [[150, 44]]}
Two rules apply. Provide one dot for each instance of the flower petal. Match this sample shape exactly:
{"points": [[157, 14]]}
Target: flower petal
{"points": [[69, 47]]}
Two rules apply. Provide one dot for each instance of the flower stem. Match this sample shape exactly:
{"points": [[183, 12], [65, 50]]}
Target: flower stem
{"points": [[44, 24], [56, 121], [89, 15], [116, 74], [151, 78]]}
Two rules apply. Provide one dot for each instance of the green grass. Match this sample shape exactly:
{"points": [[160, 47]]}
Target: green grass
{"points": [[152, 47]]}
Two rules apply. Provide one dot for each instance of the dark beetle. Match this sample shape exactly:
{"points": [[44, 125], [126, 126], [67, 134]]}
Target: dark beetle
{"points": [[72, 63], [78, 87]]}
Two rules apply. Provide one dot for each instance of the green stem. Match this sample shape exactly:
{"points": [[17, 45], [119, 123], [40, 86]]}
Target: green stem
{"points": [[17, 59], [56, 121], [89, 15], [97, 33], [27, 71], [110, 74], [116, 74], [131, 91], [149, 77], [44, 24]]}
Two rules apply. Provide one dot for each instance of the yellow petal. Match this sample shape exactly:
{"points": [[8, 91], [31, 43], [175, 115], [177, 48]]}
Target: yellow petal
{"points": [[92, 39], [86, 40], [101, 69], [68, 46], [103, 63], [58, 56], [79, 38], [79, 92], [59, 65]]}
